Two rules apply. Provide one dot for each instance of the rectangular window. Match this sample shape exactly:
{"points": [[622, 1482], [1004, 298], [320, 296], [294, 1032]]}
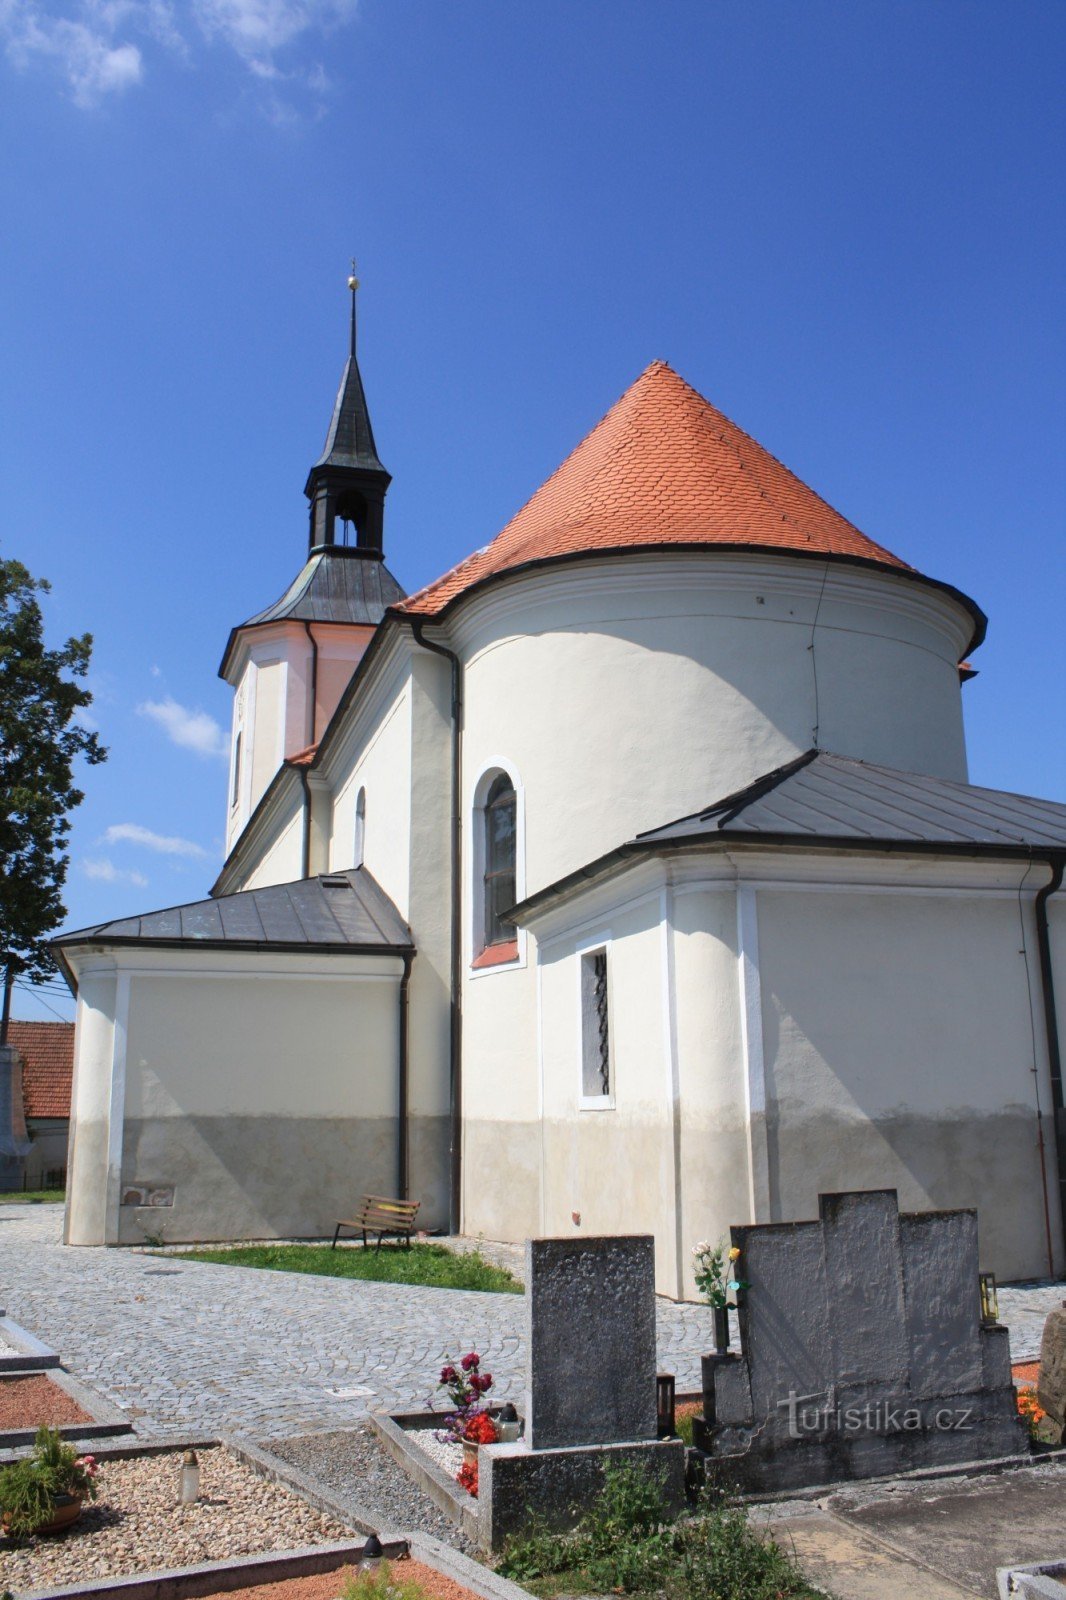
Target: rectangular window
{"points": [[595, 1027]]}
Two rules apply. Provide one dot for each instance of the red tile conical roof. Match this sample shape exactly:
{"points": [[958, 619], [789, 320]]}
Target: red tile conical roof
{"points": [[664, 467]]}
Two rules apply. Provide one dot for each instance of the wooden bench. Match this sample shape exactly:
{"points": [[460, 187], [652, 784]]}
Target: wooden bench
{"points": [[382, 1216]]}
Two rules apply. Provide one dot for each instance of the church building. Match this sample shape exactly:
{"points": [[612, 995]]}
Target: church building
{"points": [[627, 878]]}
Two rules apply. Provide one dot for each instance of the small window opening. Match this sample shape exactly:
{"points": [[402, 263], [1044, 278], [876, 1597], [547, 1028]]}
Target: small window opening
{"points": [[349, 523], [500, 851], [236, 791], [595, 1027], [360, 827]]}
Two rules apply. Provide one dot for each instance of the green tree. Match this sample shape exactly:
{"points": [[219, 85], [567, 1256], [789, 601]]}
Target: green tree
{"points": [[41, 696]]}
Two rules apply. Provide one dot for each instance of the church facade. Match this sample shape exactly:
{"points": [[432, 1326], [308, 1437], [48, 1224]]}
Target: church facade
{"points": [[626, 878]]}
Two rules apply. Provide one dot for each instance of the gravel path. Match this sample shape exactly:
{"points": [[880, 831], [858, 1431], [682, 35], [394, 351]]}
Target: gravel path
{"points": [[355, 1463], [136, 1524]]}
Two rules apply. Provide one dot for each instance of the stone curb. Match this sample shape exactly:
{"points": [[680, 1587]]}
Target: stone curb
{"points": [[454, 1564], [960, 1469], [32, 1356], [430, 1478], [1046, 1580], [127, 1450], [213, 1577], [345, 1510]]}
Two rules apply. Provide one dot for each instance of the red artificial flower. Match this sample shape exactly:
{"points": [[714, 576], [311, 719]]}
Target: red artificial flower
{"points": [[466, 1478], [448, 1374], [471, 1362], [480, 1429]]}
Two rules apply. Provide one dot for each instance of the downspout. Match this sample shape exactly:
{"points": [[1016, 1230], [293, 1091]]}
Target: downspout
{"points": [[1057, 864], [305, 784], [456, 1048], [403, 1179]]}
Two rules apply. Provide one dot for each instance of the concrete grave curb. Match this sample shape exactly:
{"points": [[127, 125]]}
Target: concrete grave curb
{"points": [[1046, 1580], [31, 1355], [213, 1577], [392, 1429]]}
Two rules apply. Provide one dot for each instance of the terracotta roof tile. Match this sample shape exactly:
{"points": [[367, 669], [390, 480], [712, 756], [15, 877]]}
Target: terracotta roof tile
{"points": [[663, 467], [47, 1050], [302, 758]]}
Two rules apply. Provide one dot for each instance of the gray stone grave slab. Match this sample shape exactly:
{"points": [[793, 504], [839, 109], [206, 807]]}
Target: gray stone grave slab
{"points": [[863, 1263], [943, 1319], [863, 1350], [591, 1340]]}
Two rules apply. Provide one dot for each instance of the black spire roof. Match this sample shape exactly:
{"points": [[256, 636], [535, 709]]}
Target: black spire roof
{"points": [[350, 440], [345, 579]]}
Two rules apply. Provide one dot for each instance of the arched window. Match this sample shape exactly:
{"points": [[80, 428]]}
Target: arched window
{"points": [[499, 858], [360, 827]]}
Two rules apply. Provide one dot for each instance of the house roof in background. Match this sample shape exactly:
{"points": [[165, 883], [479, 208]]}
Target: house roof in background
{"points": [[664, 467], [47, 1051], [336, 911]]}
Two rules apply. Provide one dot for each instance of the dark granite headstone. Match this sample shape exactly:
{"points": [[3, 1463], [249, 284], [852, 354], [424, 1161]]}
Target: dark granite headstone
{"points": [[591, 1341]]}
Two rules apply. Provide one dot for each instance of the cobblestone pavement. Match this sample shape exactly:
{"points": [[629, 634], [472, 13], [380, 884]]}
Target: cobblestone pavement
{"points": [[192, 1347]]}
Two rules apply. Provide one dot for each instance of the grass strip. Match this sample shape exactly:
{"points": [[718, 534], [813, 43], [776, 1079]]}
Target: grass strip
{"points": [[428, 1265]]}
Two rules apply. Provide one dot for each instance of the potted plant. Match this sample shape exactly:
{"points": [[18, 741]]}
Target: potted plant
{"points": [[468, 1422], [44, 1492]]}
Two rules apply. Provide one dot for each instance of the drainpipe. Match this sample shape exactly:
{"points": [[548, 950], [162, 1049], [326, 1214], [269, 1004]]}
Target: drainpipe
{"points": [[305, 849], [1051, 1024], [403, 1178], [456, 1067]]}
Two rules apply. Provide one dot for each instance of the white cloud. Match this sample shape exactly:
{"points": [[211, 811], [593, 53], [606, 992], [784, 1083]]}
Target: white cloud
{"points": [[92, 43], [258, 29], [105, 871], [164, 844], [192, 730], [93, 63]]}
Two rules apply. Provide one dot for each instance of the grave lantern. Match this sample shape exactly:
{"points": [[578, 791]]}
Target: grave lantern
{"points": [[989, 1298], [370, 1560], [508, 1427], [190, 1478], [664, 1404]]}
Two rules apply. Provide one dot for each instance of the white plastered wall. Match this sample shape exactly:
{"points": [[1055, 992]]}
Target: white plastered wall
{"points": [[260, 1089]]}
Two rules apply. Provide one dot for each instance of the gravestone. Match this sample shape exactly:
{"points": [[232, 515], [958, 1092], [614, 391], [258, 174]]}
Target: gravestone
{"points": [[590, 1330], [590, 1388], [1051, 1384], [863, 1351]]}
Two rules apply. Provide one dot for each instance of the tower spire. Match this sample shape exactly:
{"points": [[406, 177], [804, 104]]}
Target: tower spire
{"points": [[353, 284], [347, 484]]}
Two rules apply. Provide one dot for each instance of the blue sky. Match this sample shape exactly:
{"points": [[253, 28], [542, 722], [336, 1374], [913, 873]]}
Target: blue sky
{"points": [[844, 224]]}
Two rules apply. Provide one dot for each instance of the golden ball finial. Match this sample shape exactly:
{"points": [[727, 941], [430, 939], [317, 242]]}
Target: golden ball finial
{"points": [[353, 283]]}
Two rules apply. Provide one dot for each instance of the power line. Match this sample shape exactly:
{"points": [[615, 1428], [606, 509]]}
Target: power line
{"points": [[30, 989]]}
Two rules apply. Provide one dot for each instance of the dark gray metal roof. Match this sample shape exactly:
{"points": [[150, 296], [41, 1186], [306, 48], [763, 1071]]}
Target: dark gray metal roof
{"points": [[832, 802], [337, 911], [829, 797], [339, 584], [350, 440]]}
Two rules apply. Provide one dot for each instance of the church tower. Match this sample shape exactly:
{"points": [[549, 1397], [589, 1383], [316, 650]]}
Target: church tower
{"points": [[290, 664]]}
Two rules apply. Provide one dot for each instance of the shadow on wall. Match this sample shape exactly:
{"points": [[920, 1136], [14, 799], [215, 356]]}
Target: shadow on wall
{"points": [[898, 1054]]}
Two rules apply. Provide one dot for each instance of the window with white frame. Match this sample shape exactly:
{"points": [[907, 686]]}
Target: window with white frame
{"points": [[360, 827], [596, 1076], [499, 853]]}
